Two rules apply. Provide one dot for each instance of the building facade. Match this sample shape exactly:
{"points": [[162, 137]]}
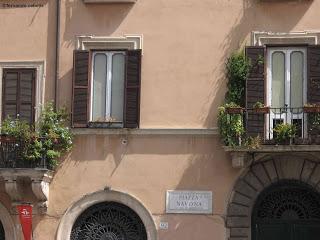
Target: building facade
{"points": [[143, 80]]}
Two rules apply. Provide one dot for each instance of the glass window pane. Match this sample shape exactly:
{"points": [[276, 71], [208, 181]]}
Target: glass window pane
{"points": [[99, 87], [296, 75], [278, 80], [117, 92]]}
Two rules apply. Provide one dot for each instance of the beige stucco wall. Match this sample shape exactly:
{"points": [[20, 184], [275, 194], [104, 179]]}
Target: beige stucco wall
{"points": [[28, 34], [145, 168], [186, 43]]}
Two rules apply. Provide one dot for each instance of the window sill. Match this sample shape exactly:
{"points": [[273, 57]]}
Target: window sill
{"points": [[104, 125], [146, 131]]}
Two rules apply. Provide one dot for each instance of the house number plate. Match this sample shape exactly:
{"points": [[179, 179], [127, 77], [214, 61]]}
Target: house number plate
{"points": [[191, 202]]}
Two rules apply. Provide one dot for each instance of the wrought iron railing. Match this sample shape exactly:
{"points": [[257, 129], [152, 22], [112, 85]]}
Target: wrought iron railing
{"points": [[263, 122], [11, 155]]}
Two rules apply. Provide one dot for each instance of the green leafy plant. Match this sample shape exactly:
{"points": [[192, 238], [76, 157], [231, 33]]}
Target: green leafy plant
{"points": [[284, 132], [237, 67], [253, 142], [48, 140], [15, 128], [258, 105], [230, 126]]}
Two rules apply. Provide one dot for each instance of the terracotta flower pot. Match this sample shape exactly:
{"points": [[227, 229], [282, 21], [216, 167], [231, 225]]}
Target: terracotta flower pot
{"points": [[234, 110], [311, 109], [263, 110]]}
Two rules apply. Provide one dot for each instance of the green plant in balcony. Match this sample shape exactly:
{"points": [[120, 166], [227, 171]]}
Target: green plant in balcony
{"points": [[230, 126], [253, 142], [49, 138], [237, 68], [258, 105], [284, 132]]}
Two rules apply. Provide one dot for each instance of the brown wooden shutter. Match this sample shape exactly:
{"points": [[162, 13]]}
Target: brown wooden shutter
{"points": [[255, 89], [132, 89], [19, 94], [81, 88], [313, 62]]}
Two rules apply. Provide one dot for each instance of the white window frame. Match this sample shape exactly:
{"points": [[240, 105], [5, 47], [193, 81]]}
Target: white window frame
{"points": [[109, 55], [269, 118]]}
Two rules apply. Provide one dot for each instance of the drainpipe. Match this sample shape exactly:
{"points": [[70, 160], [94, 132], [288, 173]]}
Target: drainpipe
{"points": [[57, 54]]}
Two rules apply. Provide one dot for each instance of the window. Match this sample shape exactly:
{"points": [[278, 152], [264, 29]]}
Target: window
{"points": [[108, 75], [286, 86], [106, 90], [19, 94]]}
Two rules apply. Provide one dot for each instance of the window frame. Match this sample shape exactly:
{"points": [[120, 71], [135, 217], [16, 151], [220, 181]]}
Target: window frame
{"points": [[109, 53], [18, 100], [287, 51]]}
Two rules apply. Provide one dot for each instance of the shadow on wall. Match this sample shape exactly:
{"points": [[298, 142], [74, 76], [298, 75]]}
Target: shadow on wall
{"points": [[92, 19], [254, 15]]}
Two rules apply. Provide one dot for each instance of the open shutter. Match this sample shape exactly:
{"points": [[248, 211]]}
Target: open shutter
{"points": [[81, 94], [132, 89], [255, 89], [313, 61]]}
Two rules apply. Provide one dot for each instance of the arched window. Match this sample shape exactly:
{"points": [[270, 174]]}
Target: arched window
{"points": [[108, 221], [287, 210]]}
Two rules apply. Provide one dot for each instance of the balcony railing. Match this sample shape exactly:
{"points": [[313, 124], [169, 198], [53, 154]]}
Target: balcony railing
{"points": [[11, 155], [264, 122]]}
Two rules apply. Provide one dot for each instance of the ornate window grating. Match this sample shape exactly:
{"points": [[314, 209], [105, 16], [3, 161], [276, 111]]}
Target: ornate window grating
{"points": [[108, 221], [289, 200]]}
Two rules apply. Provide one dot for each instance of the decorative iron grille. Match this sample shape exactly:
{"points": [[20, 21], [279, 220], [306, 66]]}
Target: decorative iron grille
{"points": [[108, 221], [289, 200], [11, 151]]}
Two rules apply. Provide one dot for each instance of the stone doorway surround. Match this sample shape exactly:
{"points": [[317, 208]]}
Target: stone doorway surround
{"points": [[75, 210], [8, 225], [260, 174]]}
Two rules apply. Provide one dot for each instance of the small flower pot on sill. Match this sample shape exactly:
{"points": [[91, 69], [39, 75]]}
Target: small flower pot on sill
{"points": [[234, 110], [262, 110], [311, 109]]}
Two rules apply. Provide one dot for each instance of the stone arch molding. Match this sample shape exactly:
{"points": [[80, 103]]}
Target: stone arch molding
{"points": [[8, 224], [73, 212], [258, 176]]}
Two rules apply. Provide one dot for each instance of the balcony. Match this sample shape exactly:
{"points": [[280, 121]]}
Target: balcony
{"points": [[261, 131], [17, 172]]}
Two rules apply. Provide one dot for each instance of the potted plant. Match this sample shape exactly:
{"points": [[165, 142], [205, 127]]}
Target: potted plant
{"points": [[284, 133], [232, 108], [259, 107], [231, 127], [43, 144], [311, 108]]}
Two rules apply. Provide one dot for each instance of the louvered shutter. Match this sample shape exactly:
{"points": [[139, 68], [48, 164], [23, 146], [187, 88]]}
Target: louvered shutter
{"points": [[132, 89], [81, 94], [19, 94], [255, 90], [313, 62], [27, 95]]}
